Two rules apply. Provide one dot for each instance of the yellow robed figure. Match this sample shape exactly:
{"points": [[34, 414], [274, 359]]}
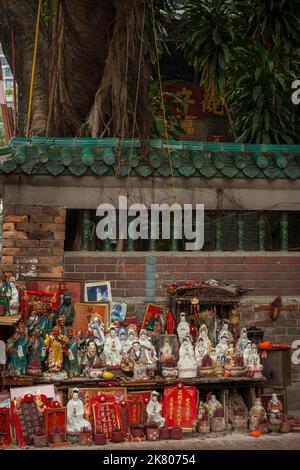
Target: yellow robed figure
{"points": [[55, 346]]}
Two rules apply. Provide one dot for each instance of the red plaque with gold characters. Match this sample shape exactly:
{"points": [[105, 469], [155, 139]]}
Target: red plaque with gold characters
{"points": [[38, 301], [107, 415], [136, 407], [180, 406]]}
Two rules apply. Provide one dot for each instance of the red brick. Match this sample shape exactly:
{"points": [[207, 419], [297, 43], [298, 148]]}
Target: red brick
{"points": [[118, 293], [50, 259], [94, 277], [59, 235], [52, 243], [50, 275], [27, 243], [8, 226], [54, 227], [40, 235], [58, 252], [107, 268], [7, 259], [74, 259], [94, 260], [40, 219], [16, 235], [28, 210], [16, 218], [135, 292], [83, 268], [69, 268], [12, 268], [8, 243], [60, 219], [14, 251], [55, 211], [74, 276], [28, 227]]}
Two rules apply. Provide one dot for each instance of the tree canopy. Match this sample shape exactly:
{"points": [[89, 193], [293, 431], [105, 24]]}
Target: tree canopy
{"points": [[98, 74]]}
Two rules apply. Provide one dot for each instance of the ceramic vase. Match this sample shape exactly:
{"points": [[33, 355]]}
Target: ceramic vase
{"points": [[152, 434], [100, 439], [204, 427], [176, 433], [117, 436], [164, 433]]}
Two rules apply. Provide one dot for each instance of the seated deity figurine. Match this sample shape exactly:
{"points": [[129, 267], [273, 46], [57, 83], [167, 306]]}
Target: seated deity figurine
{"points": [[254, 366], [243, 340], [146, 342], [213, 406], [154, 410], [131, 338], [226, 332], [140, 359], [112, 349], [236, 406], [274, 405], [258, 417], [183, 327], [247, 353], [75, 415], [91, 353], [55, 346], [222, 348], [17, 347], [230, 356], [187, 366], [14, 303], [66, 308], [203, 333]]}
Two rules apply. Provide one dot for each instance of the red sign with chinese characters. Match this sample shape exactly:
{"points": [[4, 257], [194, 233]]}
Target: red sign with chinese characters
{"points": [[107, 415], [180, 406], [197, 102], [136, 407]]}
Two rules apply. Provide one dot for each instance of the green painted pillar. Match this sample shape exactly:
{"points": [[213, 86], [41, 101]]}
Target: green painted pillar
{"points": [[87, 231], [284, 232], [130, 240], [152, 241], [174, 242], [219, 234], [261, 232], [240, 233]]}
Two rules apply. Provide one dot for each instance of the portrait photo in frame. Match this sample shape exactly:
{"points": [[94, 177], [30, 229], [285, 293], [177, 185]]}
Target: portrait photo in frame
{"points": [[99, 291], [118, 311], [168, 350]]}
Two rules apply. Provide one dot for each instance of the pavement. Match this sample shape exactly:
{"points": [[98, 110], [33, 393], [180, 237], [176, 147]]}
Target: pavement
{"points": [[232, 441]]}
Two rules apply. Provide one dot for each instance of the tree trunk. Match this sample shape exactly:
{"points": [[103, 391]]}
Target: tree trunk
{"points": [[20, 16], [98, 78], [80, 37]]}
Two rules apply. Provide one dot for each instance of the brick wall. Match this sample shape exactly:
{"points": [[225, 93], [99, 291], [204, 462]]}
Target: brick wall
{"points": [[286, 329], [33, 241], [130, 275]]}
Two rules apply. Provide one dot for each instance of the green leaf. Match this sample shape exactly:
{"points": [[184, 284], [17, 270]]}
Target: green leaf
{"points": [[267, 120], [255, 122], [258, 71], [256, 92]]}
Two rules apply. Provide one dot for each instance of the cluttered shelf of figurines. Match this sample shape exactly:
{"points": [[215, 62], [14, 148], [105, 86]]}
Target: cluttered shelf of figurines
{"points": [[109, 364]]}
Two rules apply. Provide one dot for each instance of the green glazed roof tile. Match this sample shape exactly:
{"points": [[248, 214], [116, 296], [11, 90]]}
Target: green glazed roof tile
{"points": [[89, 156]]}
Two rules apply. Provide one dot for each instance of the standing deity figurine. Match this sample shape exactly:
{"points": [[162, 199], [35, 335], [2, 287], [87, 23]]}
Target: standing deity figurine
{"points": [[203, 334], [213, 406], [55, 347], [36, 353], [183, 327], [75, 415], [243, 340], [5, 293], [254, 366], [72, 366], [14, 303], [17, 347], [187, 366], [154, 410], [66, 308], [221, 348], [112, 348]]}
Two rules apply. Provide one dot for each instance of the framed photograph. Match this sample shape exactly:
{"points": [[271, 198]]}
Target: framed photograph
{"points": [[153, 317], [118, 311], [168, 350], [59, 286], [97, 292], [83, 313]]}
